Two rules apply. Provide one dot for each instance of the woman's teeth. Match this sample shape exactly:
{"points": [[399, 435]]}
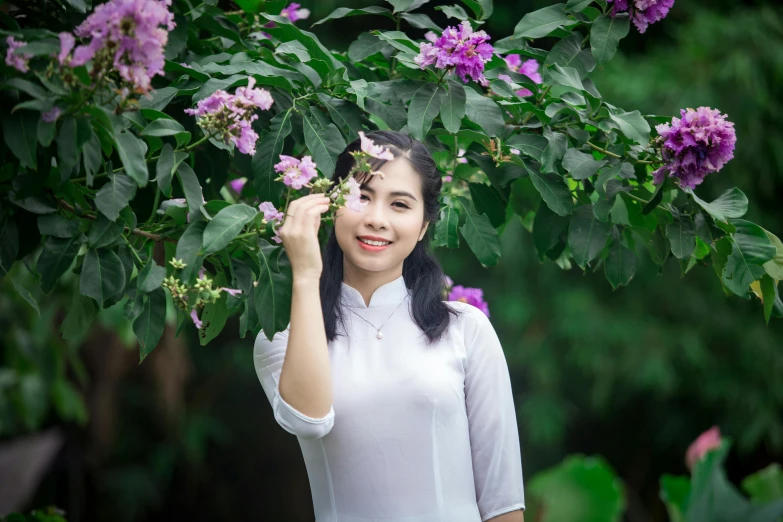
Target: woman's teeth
{"points": [[374, 243]]}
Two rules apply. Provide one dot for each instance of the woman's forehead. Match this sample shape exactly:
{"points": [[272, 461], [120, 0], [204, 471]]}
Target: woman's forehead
{"points": [[398, 175]]}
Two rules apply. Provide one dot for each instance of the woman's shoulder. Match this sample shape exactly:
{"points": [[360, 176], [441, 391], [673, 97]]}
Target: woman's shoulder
{"points": [[470, 318], [279, 340]]}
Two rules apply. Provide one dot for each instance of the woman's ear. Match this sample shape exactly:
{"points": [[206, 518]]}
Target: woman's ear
{"points": [[424, 230]]}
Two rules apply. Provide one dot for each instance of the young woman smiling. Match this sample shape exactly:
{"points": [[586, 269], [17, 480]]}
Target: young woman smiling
{"points": [[401, 402]]}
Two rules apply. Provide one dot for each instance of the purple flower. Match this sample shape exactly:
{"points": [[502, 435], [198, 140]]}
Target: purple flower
{"points": [[17, 61], [376, 151], [51, 115], [446, 179], [529, 68], [448, 280], [296, 173], [270, 212], [229, 117], [461, 156], [233, 292], [67, 41], [196, 320], [128, 35], [460, 49], [353, 200], [643, 12], [697, 144], [472, 296], [238, 184], [294, 13]]}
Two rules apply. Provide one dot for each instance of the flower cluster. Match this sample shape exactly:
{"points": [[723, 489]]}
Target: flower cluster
{"points": [[17, 61], [369, 149], [202, 291], [529, 68], [697, 144], [296, 172], [229, 116], [460, 49], [129, 36], [643, 12], [273, 215], [294, 12], [472, 296]]}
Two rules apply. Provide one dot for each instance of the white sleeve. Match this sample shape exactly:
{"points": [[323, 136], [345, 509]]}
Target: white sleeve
{"points": [[268, 359], [494, 438]]}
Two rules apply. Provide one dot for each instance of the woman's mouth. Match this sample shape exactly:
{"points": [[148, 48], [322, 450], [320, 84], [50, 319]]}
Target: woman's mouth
{"points": [[373, 246]]}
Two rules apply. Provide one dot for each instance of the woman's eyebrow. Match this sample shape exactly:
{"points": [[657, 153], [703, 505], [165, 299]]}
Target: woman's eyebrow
{"points": [[396, 193]]}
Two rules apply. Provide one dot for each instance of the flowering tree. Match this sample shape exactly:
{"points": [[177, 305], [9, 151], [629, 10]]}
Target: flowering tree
{"points": [[188, 128]]}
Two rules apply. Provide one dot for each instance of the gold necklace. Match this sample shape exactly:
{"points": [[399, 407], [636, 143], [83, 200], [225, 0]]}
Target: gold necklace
{"points": [[379, 334]]}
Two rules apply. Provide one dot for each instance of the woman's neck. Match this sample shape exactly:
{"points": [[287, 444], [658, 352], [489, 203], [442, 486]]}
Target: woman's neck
{"points": [[367, 282]]}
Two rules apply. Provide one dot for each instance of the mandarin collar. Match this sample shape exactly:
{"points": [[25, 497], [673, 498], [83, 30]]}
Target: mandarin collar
{"points": [[391, 293]]}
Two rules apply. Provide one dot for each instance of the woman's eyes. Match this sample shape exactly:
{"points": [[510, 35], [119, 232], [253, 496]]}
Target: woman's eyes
{"points": [[399, 204]]}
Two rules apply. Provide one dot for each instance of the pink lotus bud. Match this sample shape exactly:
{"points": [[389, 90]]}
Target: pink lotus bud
{"points": [[707, 441]]}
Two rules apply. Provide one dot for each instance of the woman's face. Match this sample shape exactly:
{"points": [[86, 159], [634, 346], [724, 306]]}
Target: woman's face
{"points": [[394, 212]]}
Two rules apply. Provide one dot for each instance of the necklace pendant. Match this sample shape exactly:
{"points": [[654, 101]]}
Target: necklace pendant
{"points": [[379, 335]]}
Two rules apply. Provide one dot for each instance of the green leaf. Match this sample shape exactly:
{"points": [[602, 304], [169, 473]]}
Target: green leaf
{"points": [[273, 292], [768, 292], [103, 232], [79, 319], [131, 150], [115, 195], [774, 267], [565, 76], [488, 201], [405, 5], [150, 323], [446, 233], [213, 319], [25, 294], [188, 248], [150, 277], [765, 485], [554, 191], [568, 52], [548, 228], [166, 127], [191, 187], [20, 132], [421, 21], [225, 226], [267, 155], [751, 248], [325, 144], [453, 107], [55, 258], [532, 145], [605, 35], [365, 46], [586, 235], [620, 266], [681, 235], [580, 165], [57, 226], [601, 492], [557, 144], [424, 106], [164, 169], [731, 204], [382, 101], [103, 275], [481, 236], [346, 115], [484, 112], [69, 404], [577, 6], [632, 124], [543, 22], [674, 493], [342, 12], [91, 156], [453, 11]]}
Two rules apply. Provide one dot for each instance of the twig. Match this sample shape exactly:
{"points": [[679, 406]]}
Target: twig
{"points": [[135, 231]]}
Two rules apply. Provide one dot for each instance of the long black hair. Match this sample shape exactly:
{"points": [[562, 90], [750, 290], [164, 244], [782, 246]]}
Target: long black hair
{"points": [[421, 270]]}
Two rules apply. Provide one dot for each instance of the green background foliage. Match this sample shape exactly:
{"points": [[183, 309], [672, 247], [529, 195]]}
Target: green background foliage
{"points": [[630, 373]]}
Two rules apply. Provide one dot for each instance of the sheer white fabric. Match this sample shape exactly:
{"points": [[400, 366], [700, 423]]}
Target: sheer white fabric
{"points": [[416, 433]]}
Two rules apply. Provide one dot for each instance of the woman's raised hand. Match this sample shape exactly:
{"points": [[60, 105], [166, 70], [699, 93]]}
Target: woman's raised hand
{"points": [[299, 233]]}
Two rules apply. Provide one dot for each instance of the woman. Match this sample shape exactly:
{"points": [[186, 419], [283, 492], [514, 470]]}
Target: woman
{"points": [[401, 402]]}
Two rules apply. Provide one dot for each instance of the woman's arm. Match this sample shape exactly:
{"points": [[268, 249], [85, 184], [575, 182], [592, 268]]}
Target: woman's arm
{"points": [[511, 516]]}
